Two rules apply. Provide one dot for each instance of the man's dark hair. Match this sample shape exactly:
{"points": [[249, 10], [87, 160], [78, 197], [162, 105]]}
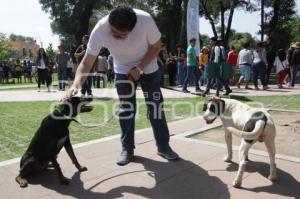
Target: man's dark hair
{"points": [[122, 18], [86, 37]]}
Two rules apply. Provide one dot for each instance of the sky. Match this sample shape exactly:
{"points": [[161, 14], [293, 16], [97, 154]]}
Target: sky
{"points": [[26, 17]]}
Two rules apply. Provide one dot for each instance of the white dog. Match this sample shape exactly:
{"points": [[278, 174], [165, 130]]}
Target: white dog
{"points": [[250, 124]]}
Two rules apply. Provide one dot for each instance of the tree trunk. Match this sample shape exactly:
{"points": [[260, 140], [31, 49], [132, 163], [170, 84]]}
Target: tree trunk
{"points": [[274, 21], [229, 23], [210, 19], [222, 9], [183, 34], [85, 20]]}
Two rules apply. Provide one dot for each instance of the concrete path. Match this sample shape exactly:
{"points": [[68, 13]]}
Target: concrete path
{"points": [[200, 173], [174, 92]]}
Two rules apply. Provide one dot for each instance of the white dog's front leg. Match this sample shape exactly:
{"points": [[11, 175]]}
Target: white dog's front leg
{"points": [[244, 148], [228, 140], [271, 150]]}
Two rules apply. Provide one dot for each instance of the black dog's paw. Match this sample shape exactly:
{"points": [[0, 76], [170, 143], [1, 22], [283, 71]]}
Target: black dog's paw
{"points": [[64, 181], [82, 169]]}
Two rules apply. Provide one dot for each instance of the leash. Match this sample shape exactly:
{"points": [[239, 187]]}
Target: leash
{"points": [[97, 125]]}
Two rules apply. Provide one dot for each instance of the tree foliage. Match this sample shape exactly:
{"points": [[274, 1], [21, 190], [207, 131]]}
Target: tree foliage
{"points": [[50, 52], [278, 22], [71, 18], [14, 37], [5, 50], [295, 29], [216, 12], [239, 39], [74, 18]]}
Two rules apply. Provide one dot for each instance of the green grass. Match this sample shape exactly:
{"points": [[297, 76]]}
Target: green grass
{"points": [[20, 120]]}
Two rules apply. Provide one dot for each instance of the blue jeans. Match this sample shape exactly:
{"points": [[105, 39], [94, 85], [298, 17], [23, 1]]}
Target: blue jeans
{"points": [[294, 70], [62, 76], [192, 71], [259, 69], [87, 86], [126, 90], [180, 72]]}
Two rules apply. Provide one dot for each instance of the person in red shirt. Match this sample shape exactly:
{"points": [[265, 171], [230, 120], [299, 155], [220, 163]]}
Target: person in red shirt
{"points": [[232, 60]]}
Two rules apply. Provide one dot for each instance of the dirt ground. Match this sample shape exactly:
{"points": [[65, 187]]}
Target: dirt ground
{"points": [[287, 139]]}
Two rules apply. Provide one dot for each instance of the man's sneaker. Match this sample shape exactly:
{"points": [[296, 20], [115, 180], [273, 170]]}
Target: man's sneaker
{"points": [[125, 157], [185, 91], [168, 154], [198, 90], [228, 92], [266, 88]]}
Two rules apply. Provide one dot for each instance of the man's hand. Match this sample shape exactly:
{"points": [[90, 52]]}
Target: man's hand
{"points": [[134, 74], [73, 90]]}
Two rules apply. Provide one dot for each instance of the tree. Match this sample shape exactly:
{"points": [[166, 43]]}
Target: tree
{"points": [[168, 16], [295, 29], [238, 39], [278, 26], [50, 52], [71, 18], [216, 11], [14, 37], [5, 50]]}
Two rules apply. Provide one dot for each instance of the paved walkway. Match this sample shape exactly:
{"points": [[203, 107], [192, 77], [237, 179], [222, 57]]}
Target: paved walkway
{"points": [[200, 173], [174, 92]]}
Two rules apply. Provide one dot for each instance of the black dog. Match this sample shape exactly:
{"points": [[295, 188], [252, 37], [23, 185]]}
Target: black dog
{"points": [[52, 135]]}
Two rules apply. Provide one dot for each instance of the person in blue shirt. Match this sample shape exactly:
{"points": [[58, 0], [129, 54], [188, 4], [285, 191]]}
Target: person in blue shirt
{"points": [[192, 67]]}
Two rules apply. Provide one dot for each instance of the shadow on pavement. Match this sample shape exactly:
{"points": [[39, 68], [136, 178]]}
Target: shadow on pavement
{"points": [[180, 179], [286, 185]]}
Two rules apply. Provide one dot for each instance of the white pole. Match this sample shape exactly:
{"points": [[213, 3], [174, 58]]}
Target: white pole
{"points": [[192, 25]]}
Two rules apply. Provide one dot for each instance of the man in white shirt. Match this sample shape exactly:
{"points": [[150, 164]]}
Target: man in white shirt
{"points": [[133, 40], [245, 60]]}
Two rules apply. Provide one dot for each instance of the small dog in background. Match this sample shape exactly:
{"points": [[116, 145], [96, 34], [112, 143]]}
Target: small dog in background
{"points": [[50, 138], [251, 124]]}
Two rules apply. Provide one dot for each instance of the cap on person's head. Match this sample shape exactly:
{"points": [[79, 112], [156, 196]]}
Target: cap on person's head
{"points": [[122, 18], [204, 48]]}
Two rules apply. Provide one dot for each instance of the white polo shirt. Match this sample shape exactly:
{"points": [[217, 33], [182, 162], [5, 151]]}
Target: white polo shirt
{"points": [[129, 52]]}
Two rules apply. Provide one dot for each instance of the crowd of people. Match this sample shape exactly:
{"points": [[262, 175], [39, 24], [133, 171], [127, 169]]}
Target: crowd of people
{"points": [[65, 64], [13, 71], [185, 67]]}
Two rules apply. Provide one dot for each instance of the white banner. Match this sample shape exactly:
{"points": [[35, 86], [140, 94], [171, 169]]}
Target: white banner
{"points": [[192, 25]]}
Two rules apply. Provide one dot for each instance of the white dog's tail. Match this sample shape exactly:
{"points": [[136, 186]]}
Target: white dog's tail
{"points": [[254, 134]]}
